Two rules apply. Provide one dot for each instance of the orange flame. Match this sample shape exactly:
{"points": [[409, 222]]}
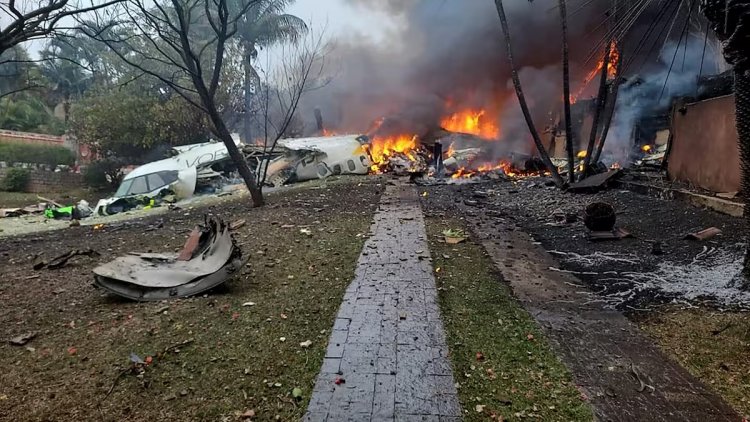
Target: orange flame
{"points": [[505, 166], [646, 148], [472, 122], [382, 149], [614, 58]]}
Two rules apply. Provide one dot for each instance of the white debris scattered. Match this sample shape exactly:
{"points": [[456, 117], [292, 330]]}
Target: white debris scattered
{"points": [[597, 258], [712, 275]]}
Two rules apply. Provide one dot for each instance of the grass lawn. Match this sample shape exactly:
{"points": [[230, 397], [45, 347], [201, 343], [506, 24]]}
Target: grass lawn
{"points": [[502, 364], [713, 346], [214, 357]]}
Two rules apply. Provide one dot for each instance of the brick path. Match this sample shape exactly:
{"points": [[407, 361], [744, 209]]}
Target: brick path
{"points": [[388, 343]]}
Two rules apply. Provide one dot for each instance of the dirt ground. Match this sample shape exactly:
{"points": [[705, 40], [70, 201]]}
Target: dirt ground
{"points": [[214, 357], [680, 298]]}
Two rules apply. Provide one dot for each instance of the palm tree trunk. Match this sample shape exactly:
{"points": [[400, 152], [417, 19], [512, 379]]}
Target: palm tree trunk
{"points": [[522, 99], [566, 95], [742, 103], [601, 101], [615, 90]]}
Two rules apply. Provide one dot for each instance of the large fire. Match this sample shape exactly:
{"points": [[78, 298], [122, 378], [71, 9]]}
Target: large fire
{"points": [[382, 149], [472, 122], [614, 58]]}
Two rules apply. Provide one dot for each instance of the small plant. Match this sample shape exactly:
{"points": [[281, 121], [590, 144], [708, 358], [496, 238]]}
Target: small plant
{"points": [[16, 180]]}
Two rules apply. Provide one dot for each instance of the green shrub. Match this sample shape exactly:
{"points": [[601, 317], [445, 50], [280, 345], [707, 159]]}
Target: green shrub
{"points": [[13, 153], [16, 180], [104, 174]]}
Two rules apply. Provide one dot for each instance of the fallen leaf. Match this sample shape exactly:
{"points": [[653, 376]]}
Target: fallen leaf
{"points": [[530, 337], [339, 381], [297, 393], [283, 316], [72, 351], [249, 414], [133, 358], [235, 315], [480, 356], [149, 360], [479, 408], [3, 397], [306, 344]]}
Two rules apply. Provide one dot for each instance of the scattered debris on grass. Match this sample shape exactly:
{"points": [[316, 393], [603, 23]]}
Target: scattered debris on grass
{"points": [[454, 236], [22, 339], [704, 234], [210, 257], [61, 260]]}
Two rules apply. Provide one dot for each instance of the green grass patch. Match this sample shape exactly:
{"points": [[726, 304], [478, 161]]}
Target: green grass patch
{"points": [[714, 346], [502, 363]]}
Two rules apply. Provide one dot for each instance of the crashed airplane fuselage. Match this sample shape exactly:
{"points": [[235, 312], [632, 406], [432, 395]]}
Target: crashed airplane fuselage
{"points": [[178, 174], [304, 159]]}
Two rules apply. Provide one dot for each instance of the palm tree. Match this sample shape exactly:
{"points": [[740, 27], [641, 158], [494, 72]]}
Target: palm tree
{"points": [[264, 24], [522, 99], [730, 20], [65, 63]]}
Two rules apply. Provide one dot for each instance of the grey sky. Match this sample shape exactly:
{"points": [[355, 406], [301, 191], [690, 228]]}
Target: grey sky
{"points": [[338, 16], [341, 18]]}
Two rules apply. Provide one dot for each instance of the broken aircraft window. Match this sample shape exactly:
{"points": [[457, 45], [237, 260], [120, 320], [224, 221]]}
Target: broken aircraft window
{"points": [[139, 186]]}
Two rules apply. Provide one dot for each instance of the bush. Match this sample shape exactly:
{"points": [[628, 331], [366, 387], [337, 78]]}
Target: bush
{"points": [[16, 180], [36, 154], [103, 174]]}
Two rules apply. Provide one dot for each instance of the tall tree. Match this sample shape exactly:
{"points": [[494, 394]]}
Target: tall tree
{"points": [[168, 42], [263, 25], [64, 64], [730, 20], [522, 99]]}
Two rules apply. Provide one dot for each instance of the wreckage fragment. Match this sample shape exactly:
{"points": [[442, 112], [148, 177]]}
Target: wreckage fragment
{"points": [[704, 234], [210, 257]]}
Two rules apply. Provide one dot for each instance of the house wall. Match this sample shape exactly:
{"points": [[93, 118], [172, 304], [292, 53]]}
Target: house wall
{"points": [[704, 149], [83, 152]]}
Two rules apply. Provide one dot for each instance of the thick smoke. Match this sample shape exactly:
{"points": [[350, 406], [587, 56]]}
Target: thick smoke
{"points": [[450, 55], [651, 92]]}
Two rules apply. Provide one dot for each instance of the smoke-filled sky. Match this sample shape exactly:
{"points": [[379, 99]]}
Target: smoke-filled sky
{"points": [[413, 61], [416, 61]]}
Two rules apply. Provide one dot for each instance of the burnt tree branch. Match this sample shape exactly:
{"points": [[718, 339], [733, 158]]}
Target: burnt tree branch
{"points": [[42, 20], [601, 101]]}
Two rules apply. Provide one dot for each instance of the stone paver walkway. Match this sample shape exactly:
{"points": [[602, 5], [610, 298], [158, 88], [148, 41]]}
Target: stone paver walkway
{"points": [[388, 343]]}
